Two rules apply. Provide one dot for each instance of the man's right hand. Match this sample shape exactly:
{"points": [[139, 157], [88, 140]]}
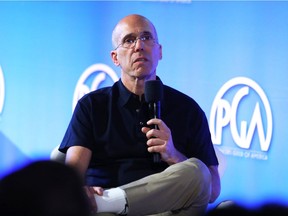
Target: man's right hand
{"points": [[91, 191]]}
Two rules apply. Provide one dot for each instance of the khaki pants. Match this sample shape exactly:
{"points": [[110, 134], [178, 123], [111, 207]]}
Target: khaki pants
{"points": [[183, 189]]}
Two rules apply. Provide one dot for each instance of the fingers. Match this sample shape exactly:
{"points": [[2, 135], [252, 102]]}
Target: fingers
{"points": [[162, 133], [157, 138], [98, 190], [155, 145], [161, 125], [152, 141]]}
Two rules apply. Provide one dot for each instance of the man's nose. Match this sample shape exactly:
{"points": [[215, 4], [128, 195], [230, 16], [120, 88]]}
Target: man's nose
{"points": [[139, 44]]}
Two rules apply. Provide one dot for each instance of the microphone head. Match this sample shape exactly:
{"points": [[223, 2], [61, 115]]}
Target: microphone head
{"points": [[153, 91]]}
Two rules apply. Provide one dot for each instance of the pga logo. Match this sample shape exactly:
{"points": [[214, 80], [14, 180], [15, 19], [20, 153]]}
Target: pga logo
{"points": [[91, 80], [2, 90], [242, 105]]}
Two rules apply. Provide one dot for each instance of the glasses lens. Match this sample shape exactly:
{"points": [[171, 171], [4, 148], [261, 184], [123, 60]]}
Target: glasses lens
{"points": [[146, 39]]}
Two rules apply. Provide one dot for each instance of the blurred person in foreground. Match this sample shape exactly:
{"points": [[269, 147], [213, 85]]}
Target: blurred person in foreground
{"points": [[43, 188], [111, 142]]}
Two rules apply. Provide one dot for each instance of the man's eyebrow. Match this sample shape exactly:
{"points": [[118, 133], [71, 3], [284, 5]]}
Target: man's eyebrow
{"points": [[146, 33], [127, 36]]}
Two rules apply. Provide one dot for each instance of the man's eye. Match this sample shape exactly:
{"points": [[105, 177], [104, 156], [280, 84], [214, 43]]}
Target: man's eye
{"points": [[129, 40], [146, 38]]}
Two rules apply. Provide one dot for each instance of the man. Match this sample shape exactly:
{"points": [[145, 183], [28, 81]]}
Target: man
{"points": [[110, 142]]}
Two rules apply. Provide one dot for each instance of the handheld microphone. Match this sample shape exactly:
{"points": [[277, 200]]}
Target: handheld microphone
{"points": [[153, 96]]}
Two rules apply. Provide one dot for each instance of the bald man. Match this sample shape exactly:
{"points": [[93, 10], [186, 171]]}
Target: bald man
{"points": [[111, 143]]}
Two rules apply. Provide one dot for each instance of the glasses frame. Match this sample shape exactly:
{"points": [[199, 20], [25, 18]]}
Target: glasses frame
{"points": [[141, 38]]}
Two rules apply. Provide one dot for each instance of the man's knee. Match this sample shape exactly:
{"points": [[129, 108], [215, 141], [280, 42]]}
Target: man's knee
{"points": [[198, 179]]}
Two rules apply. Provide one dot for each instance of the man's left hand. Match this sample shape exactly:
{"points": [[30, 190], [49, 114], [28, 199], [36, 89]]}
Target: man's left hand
{"points": [[160, 140]]}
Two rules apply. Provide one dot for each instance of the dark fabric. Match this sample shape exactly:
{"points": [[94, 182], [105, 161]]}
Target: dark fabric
{"points": [[108, 121]]}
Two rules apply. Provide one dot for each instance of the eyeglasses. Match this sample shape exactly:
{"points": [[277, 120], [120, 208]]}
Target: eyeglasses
{"points": [[130, 42]]}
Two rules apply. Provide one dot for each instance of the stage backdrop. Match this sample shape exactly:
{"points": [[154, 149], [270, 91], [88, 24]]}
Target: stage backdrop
{"points": [[231, 57]]}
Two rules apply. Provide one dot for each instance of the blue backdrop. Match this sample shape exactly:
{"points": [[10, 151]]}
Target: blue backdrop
{"points": [[231, 57]]}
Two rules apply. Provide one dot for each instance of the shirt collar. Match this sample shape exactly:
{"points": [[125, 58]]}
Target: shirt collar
{"points": [[124, 93]]}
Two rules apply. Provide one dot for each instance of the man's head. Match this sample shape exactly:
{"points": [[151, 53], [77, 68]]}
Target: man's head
{"points": [[136, 47]]}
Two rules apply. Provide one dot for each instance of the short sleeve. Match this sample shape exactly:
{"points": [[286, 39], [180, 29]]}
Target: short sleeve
{"points": [[80, 129]]}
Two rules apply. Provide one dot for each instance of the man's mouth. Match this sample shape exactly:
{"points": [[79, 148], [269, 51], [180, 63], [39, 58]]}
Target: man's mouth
{"points": [[140, 60]]}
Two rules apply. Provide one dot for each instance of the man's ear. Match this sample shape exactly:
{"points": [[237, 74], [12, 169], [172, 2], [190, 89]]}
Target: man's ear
{"points": [[114, 57], [160, 51]]}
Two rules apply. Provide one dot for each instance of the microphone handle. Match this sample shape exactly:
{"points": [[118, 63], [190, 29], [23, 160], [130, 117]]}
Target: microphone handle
{"points": [[156, 114], [156, 157]]}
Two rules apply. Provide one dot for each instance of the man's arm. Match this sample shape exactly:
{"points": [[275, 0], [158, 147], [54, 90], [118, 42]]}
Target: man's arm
{"points": [[79, 158], [215, 183]]}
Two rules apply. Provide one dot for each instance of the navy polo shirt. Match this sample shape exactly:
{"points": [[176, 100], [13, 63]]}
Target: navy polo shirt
{"points": [[108, 121]]}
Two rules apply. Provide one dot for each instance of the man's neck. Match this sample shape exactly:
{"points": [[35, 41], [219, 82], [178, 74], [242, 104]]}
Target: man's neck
{"points": [[135, 84]]}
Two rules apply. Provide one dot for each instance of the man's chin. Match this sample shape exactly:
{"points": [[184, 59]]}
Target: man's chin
{"points": [[144, 75]]}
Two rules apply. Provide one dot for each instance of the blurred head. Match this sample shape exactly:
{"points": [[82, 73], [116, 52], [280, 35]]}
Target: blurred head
{"points": [[43, 188]]}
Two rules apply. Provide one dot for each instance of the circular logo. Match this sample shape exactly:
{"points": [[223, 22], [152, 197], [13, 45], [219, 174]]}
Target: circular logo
{"points": [[242, 105], [2, 90], [91, 79]]}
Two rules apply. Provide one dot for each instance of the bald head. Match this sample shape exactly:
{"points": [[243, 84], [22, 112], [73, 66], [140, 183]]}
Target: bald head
{"points": [[135, 21]]}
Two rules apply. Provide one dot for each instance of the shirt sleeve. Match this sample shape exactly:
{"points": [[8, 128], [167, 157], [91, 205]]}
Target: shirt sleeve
{"points": [[205, 150], [79, 131]]}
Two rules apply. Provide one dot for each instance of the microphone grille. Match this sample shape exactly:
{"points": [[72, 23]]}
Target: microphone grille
{"points": [[153, 91]]}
